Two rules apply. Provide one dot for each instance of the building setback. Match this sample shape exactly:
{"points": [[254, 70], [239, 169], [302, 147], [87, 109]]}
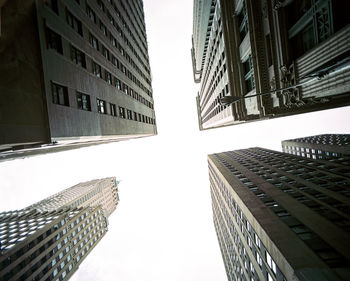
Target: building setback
{"points": [[72, 74], [280, 216], [326, 146], [49, 240], [294, 52]]}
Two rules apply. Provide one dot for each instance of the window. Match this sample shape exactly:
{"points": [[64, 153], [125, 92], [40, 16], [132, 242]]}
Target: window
{"points": [[243, 22], [94, 42], [101, 106], [60, 94], [105, 52], [74, 23], [83, 101], [117, 83], [115, 61], [258, 259], [96, 69], [91, 14], [113, 109], [270, 262], [54, 40], [249, 74], [101, 5], [108, 77], [135, 116], [78, 57], [103, 28], [113, 41], [129, 114], [121, 112]]}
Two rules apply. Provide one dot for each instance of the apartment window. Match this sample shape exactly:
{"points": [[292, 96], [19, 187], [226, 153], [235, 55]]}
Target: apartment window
{"points": [[113, 41], [60, 94], [135, 116], [108, 77], [117, 83], [129, 114], [125, 88], [122, 112], [91, 14], [101, 106], [115, 61], [83, 101], [94, 42], [101, 5], [258, 259], [243, 22], [140, 118], [103, 28], [96, 69], [249, 74], [105, 52], [113, 109], [54, 40], [257, 241], [270, 262], [78, 57], [74, 23]]}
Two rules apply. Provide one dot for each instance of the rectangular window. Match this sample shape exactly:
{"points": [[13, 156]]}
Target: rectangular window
{"points": [[103, 28], [105, 52], [115, 61], [60, 94], [78, 57], [121, 112], [129, 114], [91, 14], [83, 101], [94, 42], [54, 41], [249, 74], [135, 116], [101, 5], [113, 109], [74, 23], [117, 83], [108, 77], [113, 41], [96, 69], [140, 118], [101, 106]]}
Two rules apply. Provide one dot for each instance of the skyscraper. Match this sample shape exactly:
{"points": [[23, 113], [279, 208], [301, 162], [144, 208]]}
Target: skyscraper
{"points": [[49, 240], [72, 74], [295, 53], [280, 216], [324, 146]]}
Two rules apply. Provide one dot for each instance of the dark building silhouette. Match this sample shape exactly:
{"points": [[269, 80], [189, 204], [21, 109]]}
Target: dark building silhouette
{"points": [[72, 74], [326, 146], [281, 217], [295, 53], [50, 239]]}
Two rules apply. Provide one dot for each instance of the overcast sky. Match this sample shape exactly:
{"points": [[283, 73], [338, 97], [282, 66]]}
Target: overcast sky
{"points": [[162, 229]]}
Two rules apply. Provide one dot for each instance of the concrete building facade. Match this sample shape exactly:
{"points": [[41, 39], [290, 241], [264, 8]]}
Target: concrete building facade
{"points": [[326, 146], [73, 73], [49, 240], [280, 216], [295, 53]]}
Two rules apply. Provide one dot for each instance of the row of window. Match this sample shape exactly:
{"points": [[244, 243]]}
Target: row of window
{"points": [[101, 5], [96, 44], [78, 57], [60, 96]]}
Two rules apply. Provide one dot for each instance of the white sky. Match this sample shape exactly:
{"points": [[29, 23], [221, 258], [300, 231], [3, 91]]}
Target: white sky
{"points": [[162, 229]]}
